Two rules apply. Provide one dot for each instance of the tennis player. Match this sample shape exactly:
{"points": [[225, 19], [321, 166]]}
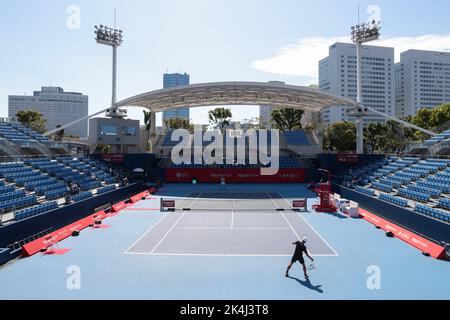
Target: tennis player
{"points": [[300, 248], [222, 183]]}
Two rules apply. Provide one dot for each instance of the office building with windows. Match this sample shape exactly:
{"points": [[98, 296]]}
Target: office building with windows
{"points": [[57, 106], [337, 75], [171, 80], [422, 81]]}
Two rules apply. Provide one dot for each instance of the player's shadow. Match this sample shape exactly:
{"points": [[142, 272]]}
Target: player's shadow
{"points": [[308, 284]]}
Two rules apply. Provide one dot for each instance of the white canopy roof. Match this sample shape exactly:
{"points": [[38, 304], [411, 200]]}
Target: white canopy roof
{"points": [[275, 94]]}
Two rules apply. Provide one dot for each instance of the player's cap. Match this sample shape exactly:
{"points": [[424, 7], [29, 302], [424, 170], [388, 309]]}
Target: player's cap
{"points": [[304, 239]]}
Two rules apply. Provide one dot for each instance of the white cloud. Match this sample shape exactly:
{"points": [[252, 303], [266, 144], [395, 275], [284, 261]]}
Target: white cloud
{"points": [[301, 59]]}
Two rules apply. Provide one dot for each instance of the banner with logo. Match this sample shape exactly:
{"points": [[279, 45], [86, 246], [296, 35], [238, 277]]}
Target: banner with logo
{"points": [[113, 157], [347, 158], [211, 175]]}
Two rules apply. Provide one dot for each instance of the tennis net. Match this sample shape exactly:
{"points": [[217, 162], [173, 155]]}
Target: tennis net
{"points": [[258, 205]]}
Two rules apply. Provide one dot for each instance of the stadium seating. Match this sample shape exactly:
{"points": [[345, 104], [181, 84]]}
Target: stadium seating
{"points": [[444, 203], [81, 196], [296, 138], [32, 211], [382, 187], [21, 183], [18, 203], [106, 189], [395, 200], [424, 181], [57, 193], [439, 138], [414, 195], [434, 213], [366, 191]]}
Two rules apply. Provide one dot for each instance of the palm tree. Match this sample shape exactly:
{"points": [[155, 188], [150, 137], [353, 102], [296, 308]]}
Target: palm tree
{"points": [[148, 125]]}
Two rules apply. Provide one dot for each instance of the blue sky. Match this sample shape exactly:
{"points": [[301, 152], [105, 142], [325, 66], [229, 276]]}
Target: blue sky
{"points": [[212, 40]]}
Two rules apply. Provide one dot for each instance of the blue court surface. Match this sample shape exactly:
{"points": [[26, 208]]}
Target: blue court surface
{"points": [[239, 250]]}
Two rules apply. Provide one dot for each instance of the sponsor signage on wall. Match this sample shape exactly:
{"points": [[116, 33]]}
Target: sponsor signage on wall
{"points": [[233, 175]]}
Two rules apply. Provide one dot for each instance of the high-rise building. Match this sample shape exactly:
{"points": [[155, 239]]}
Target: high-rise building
{"points": [[337, 75], [171, 80], [423, 81], [57, 106], [265, 116]]}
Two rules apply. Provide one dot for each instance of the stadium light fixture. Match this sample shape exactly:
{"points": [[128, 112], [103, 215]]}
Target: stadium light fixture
{"points": [[366, 32], [114, 38], [362, 33]]}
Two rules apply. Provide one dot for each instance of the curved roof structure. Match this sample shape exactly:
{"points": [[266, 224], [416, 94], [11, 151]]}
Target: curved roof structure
{"points": [[275, 94]]}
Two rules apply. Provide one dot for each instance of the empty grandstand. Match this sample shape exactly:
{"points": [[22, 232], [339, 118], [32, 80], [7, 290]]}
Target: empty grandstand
{"points": [[422, 185], [37, 185]]}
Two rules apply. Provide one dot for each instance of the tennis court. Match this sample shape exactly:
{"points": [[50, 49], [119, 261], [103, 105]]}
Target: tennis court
{"points": [[229, 224]]}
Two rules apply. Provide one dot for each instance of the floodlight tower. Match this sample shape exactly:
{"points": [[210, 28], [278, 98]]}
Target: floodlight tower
{"points": [[111, 37], [362, 33]]}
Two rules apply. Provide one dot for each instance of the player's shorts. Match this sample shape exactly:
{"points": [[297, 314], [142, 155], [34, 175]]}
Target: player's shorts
{"points": [[298, 258]]}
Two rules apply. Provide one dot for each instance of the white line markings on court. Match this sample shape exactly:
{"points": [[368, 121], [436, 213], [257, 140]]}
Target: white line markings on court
{"points": [[218, 228], [173, 226], [318, 234], [232, 216], [221, 255], [310, 226], [167, 233], [147, 232], [282, 213], [210, 228]]}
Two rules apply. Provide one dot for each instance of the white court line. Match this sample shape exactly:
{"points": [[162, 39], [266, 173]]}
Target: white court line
{"points": [[232, 215], [320, 236], [218, 228], [325, 241], [221, 255], [147, 232], [167, 233], [173, 226], [282, 213]]}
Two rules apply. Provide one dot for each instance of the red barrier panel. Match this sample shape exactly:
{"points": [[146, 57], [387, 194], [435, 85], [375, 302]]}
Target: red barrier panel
{"points": [[139, 196], [233, 175], [118, 206], [61, 234], [413, 239], [136, 198]]}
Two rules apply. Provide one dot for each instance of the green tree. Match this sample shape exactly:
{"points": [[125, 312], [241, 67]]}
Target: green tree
{"points": [[104, 148], [423, 118], [397, 136], [440, 115], [60, 134], [32, 118], [340, 136], [178, 123], [148, 124], [375, 136], [287, 119], [220, 117]]}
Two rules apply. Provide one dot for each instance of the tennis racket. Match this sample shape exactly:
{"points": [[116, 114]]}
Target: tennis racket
{"points": [[311, 266]]}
